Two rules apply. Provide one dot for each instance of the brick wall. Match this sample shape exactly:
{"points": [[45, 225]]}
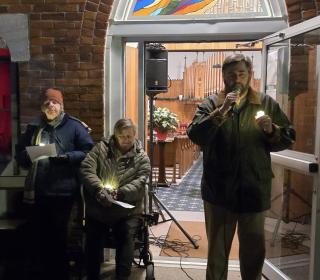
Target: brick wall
{"points": [[300, 10], [67, 47], [67, 50]]}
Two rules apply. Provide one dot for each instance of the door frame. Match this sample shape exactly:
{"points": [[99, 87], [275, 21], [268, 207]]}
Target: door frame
{"points": [[189, 29], [297, 161]]}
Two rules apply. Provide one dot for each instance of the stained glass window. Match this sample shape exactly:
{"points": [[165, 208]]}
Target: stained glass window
{"points": [[216, 8]]}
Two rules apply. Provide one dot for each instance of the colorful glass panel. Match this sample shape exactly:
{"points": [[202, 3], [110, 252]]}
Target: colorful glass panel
{"points": [[190, 7]]}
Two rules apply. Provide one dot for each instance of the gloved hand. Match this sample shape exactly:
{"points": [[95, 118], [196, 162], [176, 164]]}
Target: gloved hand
{"points": [[59, 159], [104, 197], [119, 195]]}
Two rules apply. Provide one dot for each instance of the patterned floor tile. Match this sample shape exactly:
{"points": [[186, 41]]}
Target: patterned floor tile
{"points": [[186, 195]]}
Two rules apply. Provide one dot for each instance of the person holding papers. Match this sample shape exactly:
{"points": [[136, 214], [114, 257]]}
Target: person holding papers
{"points": [[116, 169], [51, 148]]}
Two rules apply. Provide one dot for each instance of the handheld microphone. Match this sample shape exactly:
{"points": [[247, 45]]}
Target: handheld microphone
{"points": [[237, 89]]}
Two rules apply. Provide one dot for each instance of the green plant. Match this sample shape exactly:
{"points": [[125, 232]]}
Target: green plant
{"points": [[164, 120]]}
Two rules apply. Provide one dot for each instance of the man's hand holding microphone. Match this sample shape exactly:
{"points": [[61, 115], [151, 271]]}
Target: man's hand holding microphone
{"points": [[263, 121], [230, 99]]}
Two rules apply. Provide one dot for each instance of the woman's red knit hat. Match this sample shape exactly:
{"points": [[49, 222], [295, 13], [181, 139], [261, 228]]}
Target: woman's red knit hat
{"points": [[54, 94]]}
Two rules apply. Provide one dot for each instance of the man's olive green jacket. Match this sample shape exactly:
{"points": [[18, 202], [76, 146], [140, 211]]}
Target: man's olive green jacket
{"points": [[129, 173], [236, 152]]}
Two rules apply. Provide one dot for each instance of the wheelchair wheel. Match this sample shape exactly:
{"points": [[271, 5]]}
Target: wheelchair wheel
{"points": [[147, 259], [150, 271], [143, 259]]}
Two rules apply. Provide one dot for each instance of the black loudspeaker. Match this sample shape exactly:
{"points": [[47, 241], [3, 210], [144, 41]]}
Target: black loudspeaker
{"points": [[156, 68]]}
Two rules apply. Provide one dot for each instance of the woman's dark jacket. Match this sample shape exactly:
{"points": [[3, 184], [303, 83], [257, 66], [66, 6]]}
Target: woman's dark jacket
{"points": [[128, 173], [236, 152], [55, 178]]}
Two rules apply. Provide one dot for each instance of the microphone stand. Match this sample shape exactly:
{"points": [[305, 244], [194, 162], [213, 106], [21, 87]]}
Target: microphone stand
{"points": [[152, 187]]}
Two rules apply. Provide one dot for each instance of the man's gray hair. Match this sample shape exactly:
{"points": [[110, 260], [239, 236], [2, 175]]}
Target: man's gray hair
{"points": [[235, 58], [122, 124]]}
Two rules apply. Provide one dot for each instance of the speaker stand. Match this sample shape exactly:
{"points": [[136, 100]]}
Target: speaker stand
{"points": [[151, 193]]}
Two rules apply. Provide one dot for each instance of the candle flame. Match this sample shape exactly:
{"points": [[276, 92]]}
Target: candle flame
{"points": [[259, 114]]}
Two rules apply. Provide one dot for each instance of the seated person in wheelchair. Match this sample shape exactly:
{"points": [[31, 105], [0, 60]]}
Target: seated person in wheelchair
{"points": [[116, 168]]}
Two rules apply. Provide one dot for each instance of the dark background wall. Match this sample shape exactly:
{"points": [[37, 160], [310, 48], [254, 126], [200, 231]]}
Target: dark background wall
{"points": [[67, 40]]}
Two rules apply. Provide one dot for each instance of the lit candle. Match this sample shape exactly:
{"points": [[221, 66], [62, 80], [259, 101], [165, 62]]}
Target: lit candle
{"points": [[108, 187], [259, 114]]}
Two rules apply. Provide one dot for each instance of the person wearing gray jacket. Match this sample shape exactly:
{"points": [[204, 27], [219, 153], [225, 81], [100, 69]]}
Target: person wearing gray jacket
{"points": [[116, 169]]}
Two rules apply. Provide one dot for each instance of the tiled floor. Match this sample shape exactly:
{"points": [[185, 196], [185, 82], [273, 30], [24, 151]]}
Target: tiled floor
{"points": [[185, 195]]}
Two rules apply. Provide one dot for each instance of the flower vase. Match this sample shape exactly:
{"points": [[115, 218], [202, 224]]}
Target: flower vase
{"points": [[162, 135]]}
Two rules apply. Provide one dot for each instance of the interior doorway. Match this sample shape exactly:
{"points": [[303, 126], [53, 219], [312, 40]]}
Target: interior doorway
{"points": [[230, 23], [194, 72]]}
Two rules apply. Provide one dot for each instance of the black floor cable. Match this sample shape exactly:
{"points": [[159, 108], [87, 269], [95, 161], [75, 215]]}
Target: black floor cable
{"points": [[182, 269], [176, 245], [293, 239]]}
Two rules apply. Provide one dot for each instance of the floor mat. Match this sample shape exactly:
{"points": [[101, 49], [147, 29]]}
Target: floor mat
{"points": [[197, 231]]}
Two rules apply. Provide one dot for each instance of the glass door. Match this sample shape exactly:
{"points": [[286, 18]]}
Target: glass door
{"points": [[292, 224]]}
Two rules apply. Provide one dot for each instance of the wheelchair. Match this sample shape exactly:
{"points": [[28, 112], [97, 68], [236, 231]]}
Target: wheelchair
{"points": [[143, 256]]}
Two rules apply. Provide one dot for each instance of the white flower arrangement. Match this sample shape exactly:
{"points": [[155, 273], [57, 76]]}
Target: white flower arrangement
{"points": [[164, 120]]}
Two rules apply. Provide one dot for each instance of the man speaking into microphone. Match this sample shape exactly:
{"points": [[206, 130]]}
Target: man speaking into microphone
{"points": [[236, 130]]}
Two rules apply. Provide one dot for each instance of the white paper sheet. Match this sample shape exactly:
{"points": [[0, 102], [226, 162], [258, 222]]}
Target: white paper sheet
{"points": [[41, 152], [123, 204]]}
